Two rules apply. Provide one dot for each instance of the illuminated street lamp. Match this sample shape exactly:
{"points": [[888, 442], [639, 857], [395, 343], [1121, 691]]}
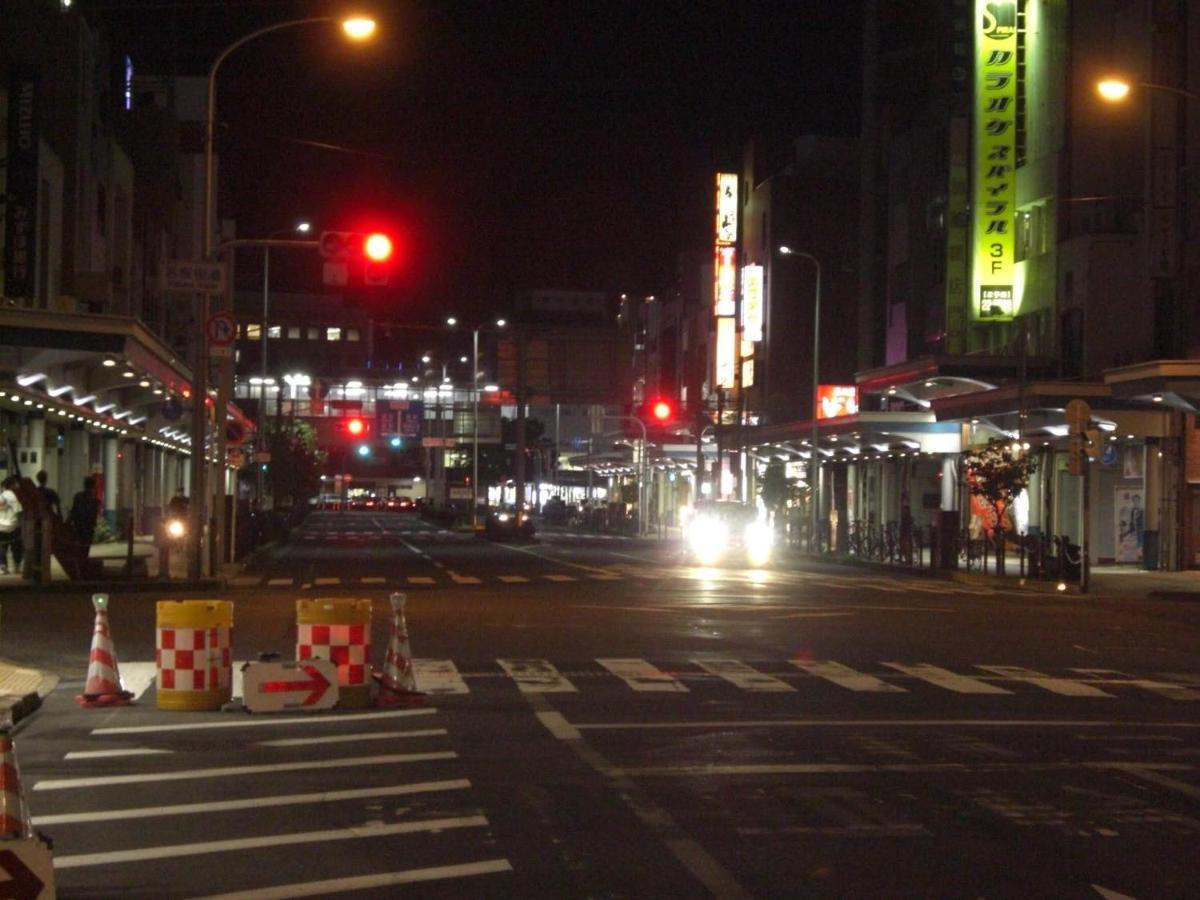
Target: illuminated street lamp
{"points": [[814, 540], [356, 28], [1117, 90]]}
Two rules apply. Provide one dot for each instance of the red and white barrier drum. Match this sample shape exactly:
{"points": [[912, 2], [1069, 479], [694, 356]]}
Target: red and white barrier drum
{"points": [[338, 630], [194, 654]]}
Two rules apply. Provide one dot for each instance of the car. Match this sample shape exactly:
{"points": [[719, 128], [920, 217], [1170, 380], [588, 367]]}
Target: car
{"points": [[727, 532], [501, 525], [398, 504]]}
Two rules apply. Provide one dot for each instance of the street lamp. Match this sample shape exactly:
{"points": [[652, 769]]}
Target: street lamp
{"points": [[300, 228], [356, 28], [814, 477], [499, 324], [1117, 90]]}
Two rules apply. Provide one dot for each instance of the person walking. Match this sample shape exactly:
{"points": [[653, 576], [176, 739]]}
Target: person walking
{"points": [[10, 526], [85, 510], [50, 499]]}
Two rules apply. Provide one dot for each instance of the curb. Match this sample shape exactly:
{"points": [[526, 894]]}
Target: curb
{"points": [[115, 587], [21, 708]]}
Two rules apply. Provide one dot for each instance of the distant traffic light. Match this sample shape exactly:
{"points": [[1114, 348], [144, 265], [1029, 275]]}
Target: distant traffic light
{"points": [[349, 252], [377, 266], [356, 427], [661, 410]]}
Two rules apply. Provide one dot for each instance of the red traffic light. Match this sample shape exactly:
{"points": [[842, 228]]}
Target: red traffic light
{"points": [[357, 427], [378, 247], [661, 410]]}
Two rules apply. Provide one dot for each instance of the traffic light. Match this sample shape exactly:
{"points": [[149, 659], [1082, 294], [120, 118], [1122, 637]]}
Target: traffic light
{"points": [[377, 263], [349, 252], [356, 427], [661, 411]]}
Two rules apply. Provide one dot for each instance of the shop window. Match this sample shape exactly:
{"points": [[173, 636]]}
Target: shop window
{"points": [[274, 332], [252, 331], [314, 333], [352, 334], [333, 333], [293, 332]]}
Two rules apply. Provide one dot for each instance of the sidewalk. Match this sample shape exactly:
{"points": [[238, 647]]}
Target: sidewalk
{"points": [[113, 558]]}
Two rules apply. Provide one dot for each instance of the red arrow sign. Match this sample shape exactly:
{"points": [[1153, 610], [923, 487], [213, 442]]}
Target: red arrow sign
{"points": [[317, 684], [24, 884]]}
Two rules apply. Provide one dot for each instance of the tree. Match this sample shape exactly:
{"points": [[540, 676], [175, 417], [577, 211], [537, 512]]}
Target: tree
{"points": [[294, 472], [997, 473], [774, 489]]}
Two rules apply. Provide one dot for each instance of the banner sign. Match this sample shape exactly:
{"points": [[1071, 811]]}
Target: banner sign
{"points": [[727, 208], [726, 356], [725, 265], [21, 184], [836, 400], [752, 303], [995, 158]]}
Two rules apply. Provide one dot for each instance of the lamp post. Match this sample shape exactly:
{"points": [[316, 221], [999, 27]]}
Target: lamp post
{"points": [[451, 322], [356, 29], [814, 466], [302, 228]]}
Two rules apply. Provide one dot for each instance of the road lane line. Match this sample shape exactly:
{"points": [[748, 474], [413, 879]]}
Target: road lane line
{"points": [[551, 559], [374, 579], [369, 882], [1065, 686], [1162, 688], [438, 676], [944, 678], [420, 579], [605, 576], [351, 738], [880, 723], [743, 676], [844, 676], [1147, 774], [279, 582], [556, 723], [513, 579], [326, 582], [216, 806], [245, 581], [108, 754], [308, 720], [560, 577], [536, 676], [172, 851], [462, 579], [642, 676], [61, 784]]}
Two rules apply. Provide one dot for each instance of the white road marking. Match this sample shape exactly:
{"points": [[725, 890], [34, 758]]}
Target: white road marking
{"points": [[1163, 688], [245, 581], [604, 576], [462, 579], [556, 723], [269, 721], [108, 754], [944, 678], [1109, 894], [420, 579], [374, 579], [171, 851], [438, 676], [883, 723], [560, 577], [279, 582], [536, 676], [642, 676], [1065, 686], [743, 676], [187, 809], [353, 738], [513, 579], [136, 677], [369, 882], [325, 582], [844, 676], [61, 784], [1147, 774]]}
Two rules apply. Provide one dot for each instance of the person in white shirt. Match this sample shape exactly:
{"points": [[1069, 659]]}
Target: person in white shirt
{"points": [[10, 526]]}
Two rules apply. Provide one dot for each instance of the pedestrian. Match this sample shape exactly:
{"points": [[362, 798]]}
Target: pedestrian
{"points": [[177, 506], [10, 526], [85, 510], [50, 499]]}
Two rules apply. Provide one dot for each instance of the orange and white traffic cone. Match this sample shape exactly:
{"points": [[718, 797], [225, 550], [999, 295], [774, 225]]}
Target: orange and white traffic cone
{"points": [[103, 686], [14, 817], [397, 682]]}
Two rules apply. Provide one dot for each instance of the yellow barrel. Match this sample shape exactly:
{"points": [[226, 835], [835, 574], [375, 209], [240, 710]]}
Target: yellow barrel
{"points": [[193, 653], [339, 630]]}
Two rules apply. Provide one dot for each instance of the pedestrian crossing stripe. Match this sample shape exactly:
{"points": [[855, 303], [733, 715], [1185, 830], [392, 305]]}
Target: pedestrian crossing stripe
{"points": [[442, 676], [513, 579]]}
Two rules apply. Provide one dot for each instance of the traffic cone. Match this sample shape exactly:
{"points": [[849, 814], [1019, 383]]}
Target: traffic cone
{"points": [[14, 817], [103, 686], [397, 683]]}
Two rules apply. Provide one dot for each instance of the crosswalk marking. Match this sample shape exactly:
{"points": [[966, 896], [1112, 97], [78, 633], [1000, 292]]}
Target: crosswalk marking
{"points": [[109, 754], [513, 579], [1162, 688], [944, 678], [136, 677], [844, 676], [245, 581], [171, 851], [743, 676], [1065, 686], [604, 576], [420, 579], [536, 676], [354, 738], [463, 579], [438, 676], [561, 578], [279, 582], [325, 582], [642, 676], [374, 579]]}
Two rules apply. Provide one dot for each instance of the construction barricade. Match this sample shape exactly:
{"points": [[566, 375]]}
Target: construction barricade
{"points": [[338, 630], [194, 654]]}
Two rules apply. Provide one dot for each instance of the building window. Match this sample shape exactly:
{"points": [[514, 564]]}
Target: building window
{"points": [[314, 333], [252, 331], [293, 332], [333, 333], [352, 334], [274, 332]]}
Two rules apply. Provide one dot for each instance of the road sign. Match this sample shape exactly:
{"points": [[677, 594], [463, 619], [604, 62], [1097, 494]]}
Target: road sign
{"points": [[192, 275], [308, 685], [262, 456], [221, 329], [30, 870], [236, 458], [1078, 414]]}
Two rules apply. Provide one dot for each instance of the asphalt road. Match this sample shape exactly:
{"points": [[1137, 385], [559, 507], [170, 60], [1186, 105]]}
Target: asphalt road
{"points": [[603, 721]]}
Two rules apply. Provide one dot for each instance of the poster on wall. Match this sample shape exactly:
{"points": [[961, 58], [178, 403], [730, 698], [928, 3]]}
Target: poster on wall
{"points": [[1131, 524]]}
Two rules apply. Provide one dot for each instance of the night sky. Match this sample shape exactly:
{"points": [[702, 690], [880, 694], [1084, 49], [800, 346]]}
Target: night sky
{"points": [[512, 144]]}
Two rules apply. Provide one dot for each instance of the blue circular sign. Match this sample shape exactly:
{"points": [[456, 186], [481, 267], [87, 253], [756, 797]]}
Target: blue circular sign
{"points": [[1108, 455]]}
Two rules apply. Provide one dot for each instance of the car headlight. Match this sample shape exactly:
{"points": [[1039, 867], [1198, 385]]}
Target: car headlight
{"points": [[709, 538], [759, 537], [502, 517]]}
